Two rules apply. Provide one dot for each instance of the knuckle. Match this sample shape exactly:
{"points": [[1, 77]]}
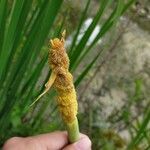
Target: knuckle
{"points": [[11, 142], [89, 143]]}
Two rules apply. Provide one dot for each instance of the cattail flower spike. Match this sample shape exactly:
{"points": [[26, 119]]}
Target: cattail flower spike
{"points": [[62, 80]]}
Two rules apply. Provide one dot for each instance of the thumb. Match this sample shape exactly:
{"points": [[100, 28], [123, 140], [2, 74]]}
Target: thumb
{"points": [[83, 144]]}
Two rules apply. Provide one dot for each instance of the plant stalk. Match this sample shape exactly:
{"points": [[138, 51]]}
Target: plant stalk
{"points": [[73, 131]]}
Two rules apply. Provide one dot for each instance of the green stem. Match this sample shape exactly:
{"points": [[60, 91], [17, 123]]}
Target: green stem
{"points": [[73, 131]]}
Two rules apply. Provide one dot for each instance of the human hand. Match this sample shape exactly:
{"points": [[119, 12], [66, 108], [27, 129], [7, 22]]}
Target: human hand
{"points": [[50, 141]]}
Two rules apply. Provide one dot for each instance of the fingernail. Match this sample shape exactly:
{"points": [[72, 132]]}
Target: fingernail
{"points": [[83, 144]]}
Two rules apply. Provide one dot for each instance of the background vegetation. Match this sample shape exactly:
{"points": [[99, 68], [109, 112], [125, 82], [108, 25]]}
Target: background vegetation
{"points": [[25, 29]]}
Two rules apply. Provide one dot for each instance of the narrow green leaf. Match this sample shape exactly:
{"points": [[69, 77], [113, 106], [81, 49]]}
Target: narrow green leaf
{"points": [[20, 70], [79, 27], [137, 138], [48, 20], [3, 10], [83, 41], [30, 84], [18, 36], [9, 36], [119, 9], [59, 28], [128, 4], [33, 43], [86, 70], [104, 29], [31, 46]]}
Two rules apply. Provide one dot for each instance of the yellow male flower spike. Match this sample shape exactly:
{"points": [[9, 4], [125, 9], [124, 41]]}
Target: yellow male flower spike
{"points": [[62, 81]]}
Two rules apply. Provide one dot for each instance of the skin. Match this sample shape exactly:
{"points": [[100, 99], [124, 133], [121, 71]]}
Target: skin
{"points": [[50, 141]]}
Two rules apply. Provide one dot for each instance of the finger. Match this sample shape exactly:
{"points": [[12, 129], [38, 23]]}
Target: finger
{"points": [[83, 144], [51, 141], [56, 140], [13, 144]]}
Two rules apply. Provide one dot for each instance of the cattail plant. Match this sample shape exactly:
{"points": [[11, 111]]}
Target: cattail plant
{"points": [[62, 80]]}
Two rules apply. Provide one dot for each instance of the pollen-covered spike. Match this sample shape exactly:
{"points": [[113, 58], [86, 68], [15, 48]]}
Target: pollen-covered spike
{"points": [[62, 80], [47, 85]]}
